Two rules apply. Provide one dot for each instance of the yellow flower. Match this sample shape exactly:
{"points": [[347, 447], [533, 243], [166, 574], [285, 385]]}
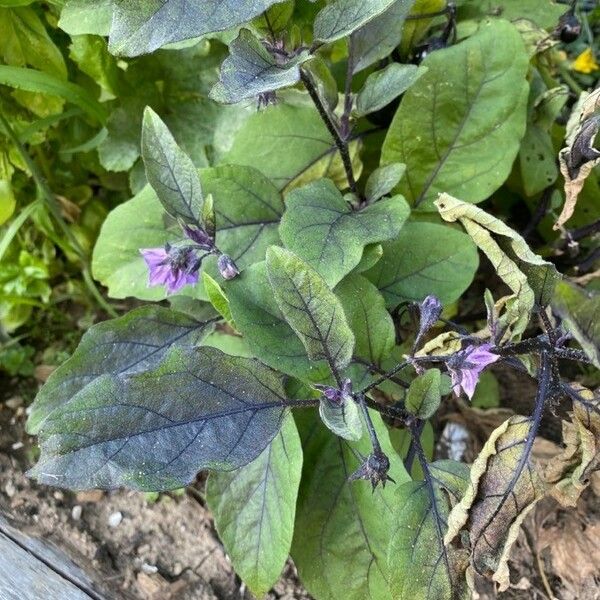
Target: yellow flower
{"points": [[585, 62]]}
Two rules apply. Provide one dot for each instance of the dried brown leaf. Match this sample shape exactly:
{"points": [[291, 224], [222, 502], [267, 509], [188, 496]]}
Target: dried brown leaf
{"points": [[504, 488]]}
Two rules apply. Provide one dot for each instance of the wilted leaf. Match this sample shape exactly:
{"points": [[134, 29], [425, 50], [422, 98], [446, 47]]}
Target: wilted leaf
{"points": [[532, 279], [254, 509], [412, 268], [133, 343], [170, 171], [580, 311], [343, 528], [420, 522], [457, 110], [251, 70], [380, 36], [141, 28], [311, 308], [424, 395], [381, 87], [570, 471], [341, 17], [320, 227], [504, 488], [154, 430], [579, 157]]}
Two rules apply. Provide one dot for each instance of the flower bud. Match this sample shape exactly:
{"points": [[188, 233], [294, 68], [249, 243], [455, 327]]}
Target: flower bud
{"points": [[374, 469], [227, 267]]}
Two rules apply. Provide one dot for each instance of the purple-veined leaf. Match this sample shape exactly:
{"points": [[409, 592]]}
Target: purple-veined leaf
{"points": [[154, 430]]}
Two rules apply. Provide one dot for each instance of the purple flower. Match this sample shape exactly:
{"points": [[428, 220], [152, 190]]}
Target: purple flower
{"points": [[227, 267], [171, 267], [466, 366]]}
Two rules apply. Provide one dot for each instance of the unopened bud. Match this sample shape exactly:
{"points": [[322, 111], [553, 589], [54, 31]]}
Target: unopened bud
{"points": [[227, 267], [374, 469]]}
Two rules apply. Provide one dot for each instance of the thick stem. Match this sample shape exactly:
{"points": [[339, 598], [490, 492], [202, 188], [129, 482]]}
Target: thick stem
{"points": [[333, 130], [416, 430]]}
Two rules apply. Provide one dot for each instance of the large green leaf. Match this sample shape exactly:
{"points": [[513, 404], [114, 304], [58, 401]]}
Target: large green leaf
{"points": [[259, 319], [427, 258], [196, 409], [290, 145], [341, 17], [130, 344], [254, 509], [311, 308], [460, 110], [322, 229], [343, 528], [421, 567], [141, 28], [170, 171], [248, 208], [251, 70], [580, 311]]}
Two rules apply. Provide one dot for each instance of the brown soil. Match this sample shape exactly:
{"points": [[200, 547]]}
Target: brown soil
{"points": [[160, 550], [168, 549]]}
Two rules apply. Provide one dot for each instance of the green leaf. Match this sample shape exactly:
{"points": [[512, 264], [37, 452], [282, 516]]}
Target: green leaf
{"points": [[260, 321], [86, 16], [424, 395], [25, 42], [275, 19], [311, 308], [341, 17], [217, 298], [417, 538], [383, 180], [544, 13], [413, 267], [8, 201], [248, 209], [151, 431], [254, 509], [37, 81], [580, 311], [321, 228], [92, 57], [251, 70], [133, 343], [381, 87], [342, 419], [170, 171], [291, 146], [460, 109], [372, 325], [379, 37], [343, 528], [139, 29]]}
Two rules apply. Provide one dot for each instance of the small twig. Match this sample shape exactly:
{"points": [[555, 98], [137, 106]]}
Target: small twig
{"points": [[540, 212], [416, 432], [333, 130], [360, 399]]}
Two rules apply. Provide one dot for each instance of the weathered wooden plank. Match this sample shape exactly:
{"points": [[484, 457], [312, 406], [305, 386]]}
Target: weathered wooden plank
{"points": [[33, 569]]}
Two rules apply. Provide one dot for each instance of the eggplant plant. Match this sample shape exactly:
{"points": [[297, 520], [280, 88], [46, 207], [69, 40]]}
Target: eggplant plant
{"points": [[322, 283]]}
